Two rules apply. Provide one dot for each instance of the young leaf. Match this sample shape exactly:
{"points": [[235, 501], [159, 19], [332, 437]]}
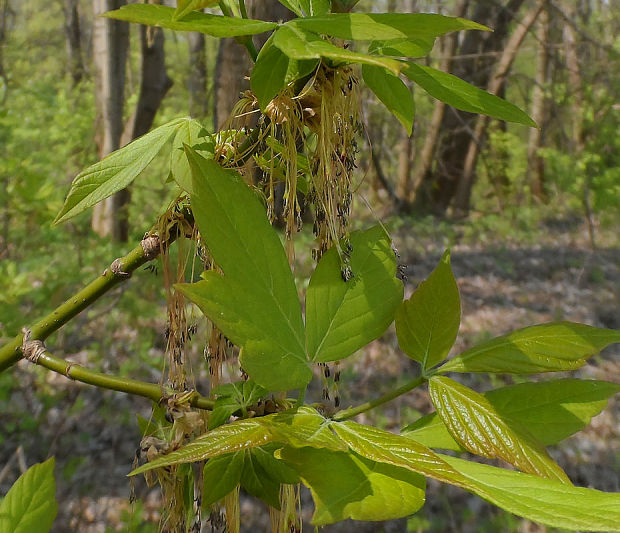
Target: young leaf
{"points": [[116, 171], [307, 8], [394, 94], [194, 135], [479, 428], [255, 303], [303, 427], [550, 410], [541, 500], [460, 94], [274, 70], [215, 25], [345, 485], [419, 46], [550, 347], [384, 26], [278, 470], [187, 6], [341, 317], [299, 44], [428, 322], [30, 505], [220, 476], [258, 482], [234, 397]]}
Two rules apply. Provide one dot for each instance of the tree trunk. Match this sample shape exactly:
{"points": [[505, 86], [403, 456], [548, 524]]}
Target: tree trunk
{"points": [[538, 111], [73, 41], [466, 182], [110, 44], [4, 15], [437, 187], [197, 84]]}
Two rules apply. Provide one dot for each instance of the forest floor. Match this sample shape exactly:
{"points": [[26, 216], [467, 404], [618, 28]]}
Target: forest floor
{"points": [[503, 286]]}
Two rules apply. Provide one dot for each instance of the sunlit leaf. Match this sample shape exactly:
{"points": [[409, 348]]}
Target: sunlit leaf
{"points": [[30, 505], [215, 25], [299, 44], [419, 46], [342, 317], [346, 485], [542, 500], [462, 95], [394, 94], [428, 322], [233, 397], [550, 410], [384, 26], [194, 135], [116, 171], [478, 427], [255, 303], [187, 6], [542, 348]]}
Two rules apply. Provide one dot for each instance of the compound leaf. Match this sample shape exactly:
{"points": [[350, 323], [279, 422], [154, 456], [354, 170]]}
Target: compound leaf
{"points": [[428, 322], [220, 476], [550, 347], [479, 428], [115, 171], [30, 505], [343, 316], [462, 95], [165, 17], [346, 485], [187, 6], [194, 135]]}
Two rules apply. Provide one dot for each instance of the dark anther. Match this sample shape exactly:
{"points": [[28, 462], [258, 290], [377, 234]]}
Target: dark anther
{"points": [[337, 401], [346, 273], [337, 376], [326, 371]]}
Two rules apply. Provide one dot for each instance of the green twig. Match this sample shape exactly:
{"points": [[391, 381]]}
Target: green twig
{"points": [[117, 273], [152, 391], [345, 414]]}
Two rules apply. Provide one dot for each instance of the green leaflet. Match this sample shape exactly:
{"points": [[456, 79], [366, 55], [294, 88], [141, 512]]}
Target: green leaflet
{"points": [[215, 25], [418, 46], [550, 410], [220, 476], [255, 303], [427, 323], [116, 171], [274, 70], [547, 347], [234, 397], [346, 485], [194, 135], [297, 43], [384, 26], [460, 94], [394, 94], [342, 317], [542, 500], [303, 427], [257, 481], [187, 6], [30, 505], [479, 428]]}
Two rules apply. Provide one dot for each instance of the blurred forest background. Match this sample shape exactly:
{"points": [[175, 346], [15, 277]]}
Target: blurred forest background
{"points": [[531, 215]]}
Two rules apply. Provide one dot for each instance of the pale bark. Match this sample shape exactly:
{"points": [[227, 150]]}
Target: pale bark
{"points": [[75, 65], [465, 184], [538, 111], [110, 44]]}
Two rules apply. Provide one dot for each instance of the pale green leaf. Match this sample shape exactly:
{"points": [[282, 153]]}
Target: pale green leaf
{"points": [[547, 347], [550, 410], [419, 46], [194, 135], [234, 397], [274, 70], [384, 26], [542, 500], [258, 482], [394, 94], [304, 427], [428, 322], [255, 303], [221, 475], [342, 317], [30, 505], [215, 25], [187, 6], [116, 171], [477, 426], [462, 95], [345, 485], [299, 44]]}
